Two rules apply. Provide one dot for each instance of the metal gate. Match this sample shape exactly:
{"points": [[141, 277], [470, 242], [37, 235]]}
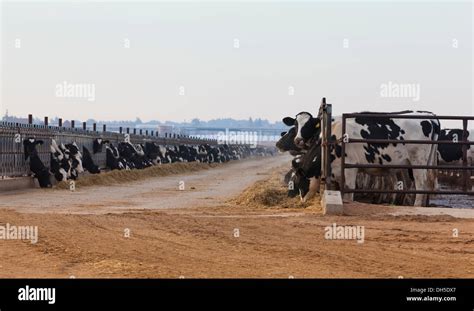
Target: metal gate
{"points": [[464, 142]]}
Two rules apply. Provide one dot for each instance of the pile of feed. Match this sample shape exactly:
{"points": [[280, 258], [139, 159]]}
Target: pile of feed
{"points": [[122, 176], [272, 193]]}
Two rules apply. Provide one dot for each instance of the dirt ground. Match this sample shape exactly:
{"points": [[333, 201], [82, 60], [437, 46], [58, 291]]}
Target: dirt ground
{"points": [[230, 221]]}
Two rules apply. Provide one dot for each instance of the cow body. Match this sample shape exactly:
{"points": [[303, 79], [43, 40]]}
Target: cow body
{"points": [[36, 166], [88, 163]]}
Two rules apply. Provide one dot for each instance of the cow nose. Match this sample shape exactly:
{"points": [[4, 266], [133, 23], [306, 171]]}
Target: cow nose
{"points": [[298, 141]]}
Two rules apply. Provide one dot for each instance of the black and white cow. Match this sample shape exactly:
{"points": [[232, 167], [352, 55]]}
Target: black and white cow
{"points": [[308, 132], [37, 167], [88, 162], [66, 161], [153, 152], [113, 159], [451, 154], [76, 158], [134, 155], [60, 166]]}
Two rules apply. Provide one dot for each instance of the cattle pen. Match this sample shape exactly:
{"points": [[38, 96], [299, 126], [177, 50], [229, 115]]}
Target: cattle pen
{"points": [[12, 160]]}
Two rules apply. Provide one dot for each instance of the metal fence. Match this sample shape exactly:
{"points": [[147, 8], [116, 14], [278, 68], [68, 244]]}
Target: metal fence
{"points": [[464, 142], [12, 158]]}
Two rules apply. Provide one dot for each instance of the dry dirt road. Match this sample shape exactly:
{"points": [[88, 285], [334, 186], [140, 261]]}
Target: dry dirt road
{"points": [[201, 232], [202, 188]]}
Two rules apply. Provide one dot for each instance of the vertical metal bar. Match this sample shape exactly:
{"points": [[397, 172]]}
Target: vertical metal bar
{"points": [[343, 156], [464, 155], [322, 116], [328, 149]]}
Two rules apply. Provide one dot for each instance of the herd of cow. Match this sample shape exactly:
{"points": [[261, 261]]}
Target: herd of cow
{"points": [[303, 141], [67, 161]]}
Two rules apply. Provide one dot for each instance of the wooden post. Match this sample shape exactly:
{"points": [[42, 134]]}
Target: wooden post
{"points": [[84, 126], [60, 122], [73, 124], [104, 128], [46, 121], [94, 127], [30, 119]]}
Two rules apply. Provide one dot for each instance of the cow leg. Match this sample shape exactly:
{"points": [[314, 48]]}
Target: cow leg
{"points": [[351, 179], [313, 188], [420, 177]]}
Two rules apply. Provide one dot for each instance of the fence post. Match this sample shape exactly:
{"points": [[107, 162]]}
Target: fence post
{"points": [[46, 121], [343, 156], [84, 126], [60, 122], [328, 124], [465, 133], [94, 127], [73, 124], [128, 130], [104, 128], [120, 130], [30, 119]]}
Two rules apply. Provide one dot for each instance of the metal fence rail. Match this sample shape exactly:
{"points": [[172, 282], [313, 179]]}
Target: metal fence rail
{"points": [[12, 158], [464, 142]]}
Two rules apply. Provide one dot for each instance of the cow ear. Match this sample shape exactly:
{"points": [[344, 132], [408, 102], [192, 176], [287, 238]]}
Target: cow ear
{"points": [[282, 134], [289, 121]]}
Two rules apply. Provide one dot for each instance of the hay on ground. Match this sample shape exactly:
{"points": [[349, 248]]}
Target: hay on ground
{"points": [[270, 193], [123, 176]]}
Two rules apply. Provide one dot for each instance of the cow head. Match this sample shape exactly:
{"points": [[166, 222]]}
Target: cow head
{"points": [[287, 142], [307, 127], [139, 148]]}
